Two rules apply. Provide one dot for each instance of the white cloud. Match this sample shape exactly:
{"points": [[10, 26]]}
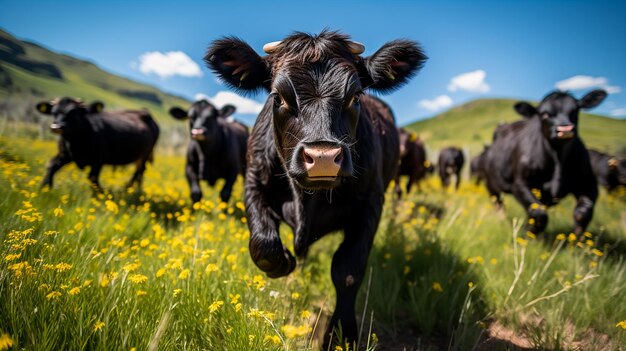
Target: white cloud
{"points": [[474, 82], [436, 104], [168, 64], [581, 82], [619, 112], [243, 104]]}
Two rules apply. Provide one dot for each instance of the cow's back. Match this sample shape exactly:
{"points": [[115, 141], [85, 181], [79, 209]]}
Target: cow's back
{"points": [[124, 136]]}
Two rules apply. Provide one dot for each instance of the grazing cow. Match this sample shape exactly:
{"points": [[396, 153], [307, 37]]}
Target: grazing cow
{"points": [[609, 170], [413, 161], [451, 162], [541, 159], [477, 167], [321, 152], [217, 149], [93, 137]]}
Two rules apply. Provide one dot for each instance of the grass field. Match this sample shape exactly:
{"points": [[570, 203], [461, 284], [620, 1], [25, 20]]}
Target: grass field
{"points": [[144, 270]]}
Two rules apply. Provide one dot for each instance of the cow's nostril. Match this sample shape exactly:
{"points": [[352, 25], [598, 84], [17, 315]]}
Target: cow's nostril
{"points": [[308, 159], [339, 157]]}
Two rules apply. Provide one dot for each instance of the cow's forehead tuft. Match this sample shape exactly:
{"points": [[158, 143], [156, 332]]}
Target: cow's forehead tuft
{"points": [[302, 47]]}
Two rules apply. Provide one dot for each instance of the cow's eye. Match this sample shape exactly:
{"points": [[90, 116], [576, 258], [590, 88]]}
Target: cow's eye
{"points": [[356, 99], [279, 101]]}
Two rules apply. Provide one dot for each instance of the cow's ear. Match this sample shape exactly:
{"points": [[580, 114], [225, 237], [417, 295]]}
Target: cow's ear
{"points": [[238, 65], [178, 113], [96, 107], [525, 109], [44, 107], [392, 65], [227, 110], [592, 99]]}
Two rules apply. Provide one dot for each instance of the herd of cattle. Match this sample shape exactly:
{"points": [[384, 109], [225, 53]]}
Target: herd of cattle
{"points": [[322, 152]]}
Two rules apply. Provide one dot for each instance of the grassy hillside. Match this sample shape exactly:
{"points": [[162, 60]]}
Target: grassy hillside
{"points": [[471, 125], [30, 73]]}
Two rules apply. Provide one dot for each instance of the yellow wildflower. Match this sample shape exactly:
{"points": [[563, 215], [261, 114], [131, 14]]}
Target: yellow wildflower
{"points": [[274, 339], [58, 212], [292, 331], [141, 293], [621, 324], [98, 325], [6, 342], [437, 287], [53, 295], [216, 306], [177, 292], [184, 274], [138, 278], [74, 291]]}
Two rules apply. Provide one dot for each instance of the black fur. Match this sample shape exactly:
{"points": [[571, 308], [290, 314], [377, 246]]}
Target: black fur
{"points": [[609, 170], [91, 137], [539, 163], [450, 162], [216, 151], [413, 161]]}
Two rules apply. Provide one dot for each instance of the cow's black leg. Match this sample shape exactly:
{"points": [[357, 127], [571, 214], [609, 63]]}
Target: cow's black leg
{"points": [[458, 180], [410, 183], [194, 184], [266, 248], [54, 165], [138, 175], [228, 188], [348, 269], [537, 214], [94, 175], [396, 186]]}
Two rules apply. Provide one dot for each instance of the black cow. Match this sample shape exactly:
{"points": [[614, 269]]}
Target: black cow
{"points": [[93, 137], [322, 152], [450, 162], [217, 149], [413, 161], [477, 166], [609, 170], [541, 159]]}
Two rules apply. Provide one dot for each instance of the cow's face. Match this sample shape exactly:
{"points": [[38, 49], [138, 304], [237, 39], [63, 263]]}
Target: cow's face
{"points": [[558, 112], [202, 116], [70, 115], [315, 85]]}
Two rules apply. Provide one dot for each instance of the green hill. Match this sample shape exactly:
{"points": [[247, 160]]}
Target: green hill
{"points": [[30, 73], [471, 125]]}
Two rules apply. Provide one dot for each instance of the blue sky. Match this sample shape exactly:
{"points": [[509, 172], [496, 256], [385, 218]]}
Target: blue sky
{"points": [[514, 49]]}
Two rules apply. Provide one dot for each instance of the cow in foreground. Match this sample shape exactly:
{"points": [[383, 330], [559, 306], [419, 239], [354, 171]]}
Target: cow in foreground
{"points": [[92, 137], [450, 163], [321, 152], [413, 161], [541, 159], [217, 149], [609, 170]]}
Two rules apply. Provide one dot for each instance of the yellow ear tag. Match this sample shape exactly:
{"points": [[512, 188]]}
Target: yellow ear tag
{"points": [[43, 108], [426, 163], [413, 137]]}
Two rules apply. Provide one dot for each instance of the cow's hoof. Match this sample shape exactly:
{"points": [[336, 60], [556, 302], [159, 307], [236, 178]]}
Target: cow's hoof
{"points": [[272, 258], [537, 218], [196, 196]]}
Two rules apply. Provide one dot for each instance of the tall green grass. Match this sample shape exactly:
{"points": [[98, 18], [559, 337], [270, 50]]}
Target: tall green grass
{"points": [[146, 270]]}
